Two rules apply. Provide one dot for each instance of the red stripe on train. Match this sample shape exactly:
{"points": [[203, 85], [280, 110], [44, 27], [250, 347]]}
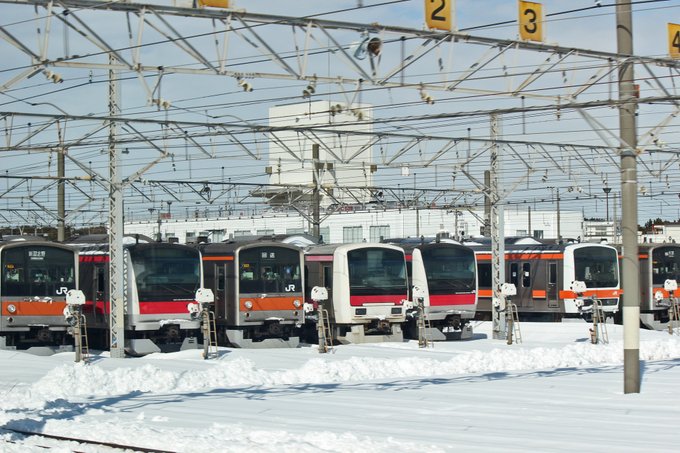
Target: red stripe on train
{"points": [[164, 308], [452, 299], [358, 301]]}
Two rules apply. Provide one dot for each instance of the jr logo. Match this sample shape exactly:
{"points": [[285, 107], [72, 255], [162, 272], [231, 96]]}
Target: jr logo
{"points": [[62, 290], [289, 288]]}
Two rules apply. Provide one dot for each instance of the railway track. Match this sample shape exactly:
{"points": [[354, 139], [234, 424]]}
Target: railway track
{"points": [[113, 445]]}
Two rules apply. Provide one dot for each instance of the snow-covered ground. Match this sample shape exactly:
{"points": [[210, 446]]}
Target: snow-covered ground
{"points": [[554, 392]]}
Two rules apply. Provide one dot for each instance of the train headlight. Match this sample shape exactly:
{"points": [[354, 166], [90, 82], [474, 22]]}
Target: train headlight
{"points": [[12, 308], [248, 304], [296, 303]]}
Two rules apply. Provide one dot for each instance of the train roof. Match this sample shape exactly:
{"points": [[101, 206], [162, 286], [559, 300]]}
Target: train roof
{"points": [[211, 248], [104, 239], [22, 238], [300, 240], [329, 249]]}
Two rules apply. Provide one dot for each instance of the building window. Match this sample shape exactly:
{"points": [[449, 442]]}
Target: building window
{"points": [[352, 234], [241, 233], [521, 233], [538, 234], [295, 230], [190, 237], [376, 233], [265, 232]]}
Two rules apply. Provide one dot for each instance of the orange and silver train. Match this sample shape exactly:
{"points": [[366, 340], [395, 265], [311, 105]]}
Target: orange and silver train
{"points": [[36, 275], [658, 263], [542, 275], [259, 291], [367, 285]]}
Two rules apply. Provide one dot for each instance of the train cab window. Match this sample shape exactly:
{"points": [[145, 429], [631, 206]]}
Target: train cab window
{"points": [[526, 275]]}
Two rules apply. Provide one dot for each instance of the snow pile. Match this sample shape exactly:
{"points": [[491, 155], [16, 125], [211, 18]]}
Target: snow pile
{"points": [[78, 380]]}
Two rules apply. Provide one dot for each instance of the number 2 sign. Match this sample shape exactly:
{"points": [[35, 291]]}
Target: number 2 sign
{"points": [[530, 21], [438, 14]]}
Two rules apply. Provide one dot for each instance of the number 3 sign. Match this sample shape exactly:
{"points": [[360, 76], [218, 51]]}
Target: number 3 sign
{"points": [[438, 14], [530, 21]]}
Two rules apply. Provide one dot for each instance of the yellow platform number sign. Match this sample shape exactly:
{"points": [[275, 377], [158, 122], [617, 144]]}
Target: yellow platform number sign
{"points": [[530, 21], [438, 14], [674, 40]]}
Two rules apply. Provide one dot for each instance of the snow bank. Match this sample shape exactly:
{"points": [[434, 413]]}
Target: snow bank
{"points": [[78, 380]]}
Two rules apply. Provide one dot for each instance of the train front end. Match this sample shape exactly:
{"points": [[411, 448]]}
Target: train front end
{"points": [[597, 265], [162, 280], [370, 292], [446, 275], [35, 279]]}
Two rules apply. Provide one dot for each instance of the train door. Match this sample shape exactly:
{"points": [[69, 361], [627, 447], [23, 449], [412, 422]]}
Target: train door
{"points": [[220, 287], [551, 290], [525, 290], [327, 280]]}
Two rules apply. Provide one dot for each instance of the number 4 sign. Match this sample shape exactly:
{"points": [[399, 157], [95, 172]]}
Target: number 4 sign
{"points": [[674, 40], [438, 14], [530, 21]]}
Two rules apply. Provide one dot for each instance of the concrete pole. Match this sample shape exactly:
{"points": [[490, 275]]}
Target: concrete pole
{"points": [[61, 196], [316, 196], [631, 265], [497, 218], [116, 275]]}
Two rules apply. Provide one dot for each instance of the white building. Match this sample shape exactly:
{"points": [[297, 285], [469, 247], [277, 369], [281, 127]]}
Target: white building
{"points": [[342, 160], [369, 225]]}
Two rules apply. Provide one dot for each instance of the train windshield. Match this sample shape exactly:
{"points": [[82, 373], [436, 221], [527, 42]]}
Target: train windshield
{"points": [[269, 270], [37, 271], [449, 269], [597, 266], [665, 265], [374, 271], [166, 273]]}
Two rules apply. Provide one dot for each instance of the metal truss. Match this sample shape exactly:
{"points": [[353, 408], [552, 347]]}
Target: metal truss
{"points": [[154, 45]]}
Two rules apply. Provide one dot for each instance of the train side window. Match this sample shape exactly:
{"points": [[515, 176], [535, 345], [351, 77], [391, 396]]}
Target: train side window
{"points": [[552, 273], [327, 277], [514, 274], [484, 275], [526, 275], [221, 277]]}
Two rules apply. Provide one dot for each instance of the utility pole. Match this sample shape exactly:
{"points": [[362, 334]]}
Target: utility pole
{"points": [[116, 275], [631, 265], [559, 217], [61, 196], [499, 322], [316, 196]]}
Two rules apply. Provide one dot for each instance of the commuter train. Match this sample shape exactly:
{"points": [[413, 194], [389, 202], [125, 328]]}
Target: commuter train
{"points": [[36, 275], [445, 273], [367, 288], [259, 291], [543, 273], [161, 280], [658, 263]]}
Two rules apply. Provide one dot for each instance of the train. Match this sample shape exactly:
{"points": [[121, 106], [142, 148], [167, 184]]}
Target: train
{"points": [[658, 263], [161, 280], [263, 286], [259, 291], [36, 277], [367, 286], [543, 274], [444, 274]]}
